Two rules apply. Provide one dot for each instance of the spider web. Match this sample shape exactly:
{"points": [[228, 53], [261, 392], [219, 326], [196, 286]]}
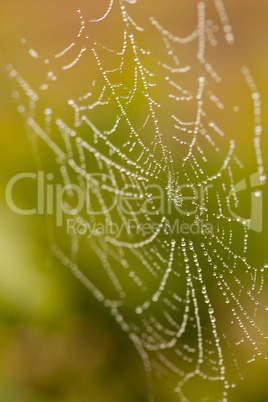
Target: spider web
{"points": [[143, 121]]}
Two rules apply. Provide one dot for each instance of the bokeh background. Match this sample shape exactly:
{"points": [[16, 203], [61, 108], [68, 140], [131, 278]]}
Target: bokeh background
{"points": [[57, 344]]}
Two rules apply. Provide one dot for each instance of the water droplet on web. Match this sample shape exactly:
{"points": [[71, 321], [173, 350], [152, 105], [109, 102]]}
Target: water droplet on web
{"points": [[15, 94], [21, 109], [48, 111], [33, 53]]}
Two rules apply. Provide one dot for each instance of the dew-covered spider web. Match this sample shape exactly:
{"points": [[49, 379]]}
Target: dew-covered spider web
{"points": [[151, 139]]}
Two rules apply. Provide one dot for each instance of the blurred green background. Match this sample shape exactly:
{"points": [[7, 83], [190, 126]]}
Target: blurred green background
{"points": [[56, 342]]}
